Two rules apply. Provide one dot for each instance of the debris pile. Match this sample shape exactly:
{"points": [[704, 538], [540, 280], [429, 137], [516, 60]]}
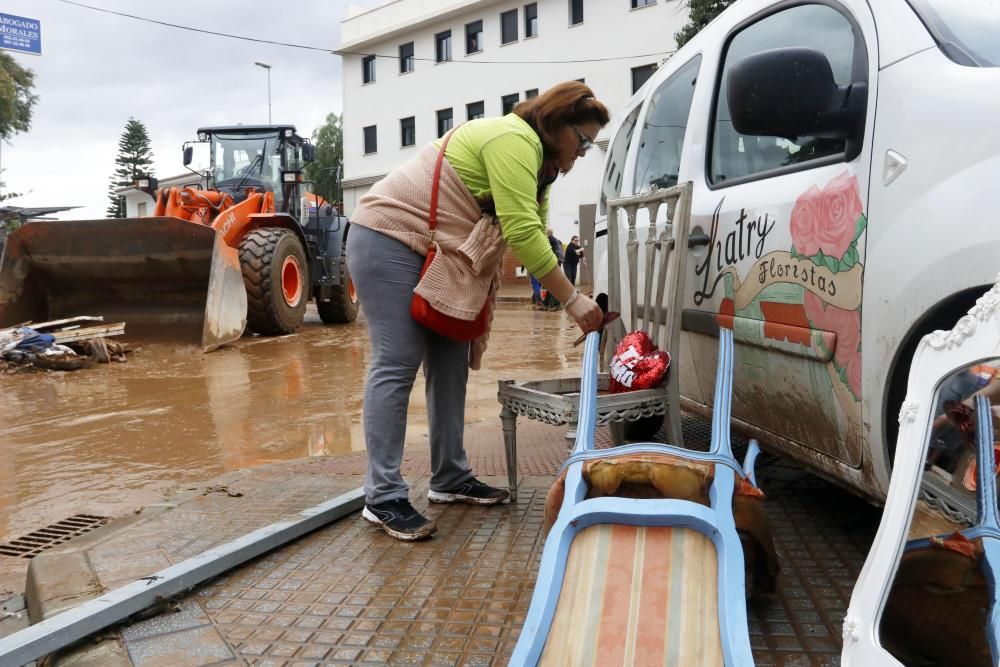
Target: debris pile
{"points": [[64, 345]]}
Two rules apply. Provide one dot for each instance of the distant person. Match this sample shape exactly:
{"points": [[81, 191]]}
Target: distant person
{"points": [[536, 292], [495, 181], [572, 259]]}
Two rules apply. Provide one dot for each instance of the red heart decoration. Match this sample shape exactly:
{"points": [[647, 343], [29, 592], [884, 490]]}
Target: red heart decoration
{"points": [[637, 364]]}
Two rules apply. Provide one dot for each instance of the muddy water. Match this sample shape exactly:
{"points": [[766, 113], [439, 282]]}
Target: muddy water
{"points": [[110, 439]]}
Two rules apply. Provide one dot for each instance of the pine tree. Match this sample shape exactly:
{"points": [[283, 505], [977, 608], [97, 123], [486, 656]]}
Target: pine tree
{"points": [[700, 14], [135, 161]]}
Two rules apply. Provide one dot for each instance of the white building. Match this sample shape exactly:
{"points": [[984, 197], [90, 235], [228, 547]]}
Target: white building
{"points": [[139, 204], [414, 68]]}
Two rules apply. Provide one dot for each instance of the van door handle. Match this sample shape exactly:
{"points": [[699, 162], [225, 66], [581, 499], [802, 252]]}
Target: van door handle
{"points": [[696, 240]]}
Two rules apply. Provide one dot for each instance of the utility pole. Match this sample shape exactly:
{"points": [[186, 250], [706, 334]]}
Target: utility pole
{"points": [[268, 68]]}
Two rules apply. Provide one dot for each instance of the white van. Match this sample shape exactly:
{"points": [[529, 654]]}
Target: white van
{"points": [[845, 156]]}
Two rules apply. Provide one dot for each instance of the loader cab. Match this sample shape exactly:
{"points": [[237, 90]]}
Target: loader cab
{"points": [[268, 158]]}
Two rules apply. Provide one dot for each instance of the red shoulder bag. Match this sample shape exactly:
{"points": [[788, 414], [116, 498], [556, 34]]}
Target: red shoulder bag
{"points": [[420, 309]]}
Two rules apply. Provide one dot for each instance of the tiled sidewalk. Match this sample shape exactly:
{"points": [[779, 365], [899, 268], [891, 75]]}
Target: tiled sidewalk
{"points": [[348, 594]]}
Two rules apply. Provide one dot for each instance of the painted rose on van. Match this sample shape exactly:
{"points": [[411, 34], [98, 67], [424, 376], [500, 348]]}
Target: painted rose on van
{"points": [[826, 223]]}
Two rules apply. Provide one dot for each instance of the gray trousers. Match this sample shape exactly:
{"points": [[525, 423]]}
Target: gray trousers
{"points": [[385, 272]]}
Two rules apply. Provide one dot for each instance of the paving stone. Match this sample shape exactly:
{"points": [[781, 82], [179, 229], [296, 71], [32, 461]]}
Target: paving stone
{"points": [[187, 648], [187, 615]]}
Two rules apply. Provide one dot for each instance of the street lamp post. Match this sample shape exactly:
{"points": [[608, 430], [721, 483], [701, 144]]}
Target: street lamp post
{"points": [[268, 68]]}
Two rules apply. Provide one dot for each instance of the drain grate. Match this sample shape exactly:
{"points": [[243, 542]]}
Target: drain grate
{"points": [[35, 542]]}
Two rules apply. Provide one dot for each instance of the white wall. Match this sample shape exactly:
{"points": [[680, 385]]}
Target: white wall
{"points": [[133, 198], [610, 29]]}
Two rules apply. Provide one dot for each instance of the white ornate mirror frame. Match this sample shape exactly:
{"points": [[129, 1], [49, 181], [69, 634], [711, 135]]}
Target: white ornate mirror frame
{"points": [[975, 337]]}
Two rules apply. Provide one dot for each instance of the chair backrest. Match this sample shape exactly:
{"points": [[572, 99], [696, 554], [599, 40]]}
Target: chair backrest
{"points": [[651, 299], [721, 444]]}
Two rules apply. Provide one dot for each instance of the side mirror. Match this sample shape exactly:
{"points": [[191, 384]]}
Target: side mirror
{"points": [[188, 155], [791, 93], [308, 152]]}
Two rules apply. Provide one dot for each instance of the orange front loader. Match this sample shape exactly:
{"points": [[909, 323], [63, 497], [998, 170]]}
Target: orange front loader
{"points": [[207, 265]]}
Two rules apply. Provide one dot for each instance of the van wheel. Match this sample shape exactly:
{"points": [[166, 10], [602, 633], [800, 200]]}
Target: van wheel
{"points": [[276, 277], [343, 306], [942, 317]]}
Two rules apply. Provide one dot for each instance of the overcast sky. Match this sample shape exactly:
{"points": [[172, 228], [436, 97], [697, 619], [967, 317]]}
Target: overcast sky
{"points": [[97, 69]]}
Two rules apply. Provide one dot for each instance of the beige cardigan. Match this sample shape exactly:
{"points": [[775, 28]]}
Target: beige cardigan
{"points": [[467, 266]]}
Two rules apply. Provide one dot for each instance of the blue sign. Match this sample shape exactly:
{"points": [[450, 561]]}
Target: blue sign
{"points": [[20, 34]]}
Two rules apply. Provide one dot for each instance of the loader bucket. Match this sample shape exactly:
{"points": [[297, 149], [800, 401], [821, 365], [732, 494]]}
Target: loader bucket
{"points": [[167, 279]]}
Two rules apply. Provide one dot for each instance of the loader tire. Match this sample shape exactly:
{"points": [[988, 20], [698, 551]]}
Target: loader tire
{"points": [[343, 306], [276, 277]]}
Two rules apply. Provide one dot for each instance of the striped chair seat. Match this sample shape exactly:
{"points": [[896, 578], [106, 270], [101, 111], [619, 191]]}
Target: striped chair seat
{"points": [[614, 608]]}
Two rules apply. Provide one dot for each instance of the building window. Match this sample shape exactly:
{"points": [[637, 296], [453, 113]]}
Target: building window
{"points": [[473, 37], [406, 60], [528, 94], [368, 68], [446, 121], [531, 20], [407, 131], [642, 3], [140, 210], [442, 44], [508, 102], [371, 140], [640, 75], [575, 12], [475, 110], [508, 27], [580, 80]]}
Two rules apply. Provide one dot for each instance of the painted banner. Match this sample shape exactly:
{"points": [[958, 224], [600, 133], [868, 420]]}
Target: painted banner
{"points": [[842, 289]]}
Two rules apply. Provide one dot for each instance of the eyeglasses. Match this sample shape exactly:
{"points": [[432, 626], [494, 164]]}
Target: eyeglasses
{"points": [[586, 143]]}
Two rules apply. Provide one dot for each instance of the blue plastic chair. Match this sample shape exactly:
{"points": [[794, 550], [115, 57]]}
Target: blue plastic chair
{"points": [[715, 522]]}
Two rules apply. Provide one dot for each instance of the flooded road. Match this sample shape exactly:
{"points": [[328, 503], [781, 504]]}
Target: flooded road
{"points": [[111, 439]]}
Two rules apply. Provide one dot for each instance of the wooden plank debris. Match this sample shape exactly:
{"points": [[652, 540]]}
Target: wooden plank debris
{"points": [[60, 324], [103, 331]]}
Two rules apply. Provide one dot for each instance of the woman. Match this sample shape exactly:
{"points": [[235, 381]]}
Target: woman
{"points": [[496, 170]]}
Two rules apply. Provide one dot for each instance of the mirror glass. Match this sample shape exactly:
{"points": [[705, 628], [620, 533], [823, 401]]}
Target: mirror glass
{"points": [[939, 608], [188, 155]]}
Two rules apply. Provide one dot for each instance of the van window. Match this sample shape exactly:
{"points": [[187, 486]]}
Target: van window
{"points": [[611, 186], [659, 158], [966, 30], [818, 27]]}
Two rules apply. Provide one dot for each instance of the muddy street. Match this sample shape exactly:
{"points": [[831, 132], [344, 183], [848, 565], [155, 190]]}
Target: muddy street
{"points": [[111, 439]]}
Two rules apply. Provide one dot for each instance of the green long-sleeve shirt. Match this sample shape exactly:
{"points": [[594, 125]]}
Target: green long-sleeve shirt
{"points": [[501, 158]]}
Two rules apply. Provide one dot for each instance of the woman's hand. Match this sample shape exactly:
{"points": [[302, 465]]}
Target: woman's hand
{"points": [[586, 313]]}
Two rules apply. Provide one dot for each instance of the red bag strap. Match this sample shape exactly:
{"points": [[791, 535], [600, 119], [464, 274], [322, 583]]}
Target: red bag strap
{"points": [[437, 181]]}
